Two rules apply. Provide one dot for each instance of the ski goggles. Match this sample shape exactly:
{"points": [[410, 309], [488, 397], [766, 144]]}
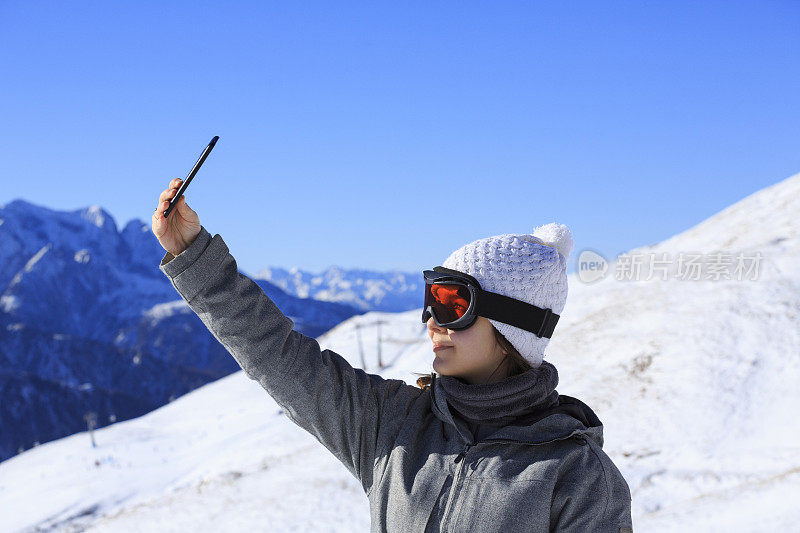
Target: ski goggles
{"points": [[455, 300]]}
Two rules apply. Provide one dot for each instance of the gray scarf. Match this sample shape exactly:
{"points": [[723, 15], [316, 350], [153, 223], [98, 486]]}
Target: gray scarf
{"points": [[504, 401]]}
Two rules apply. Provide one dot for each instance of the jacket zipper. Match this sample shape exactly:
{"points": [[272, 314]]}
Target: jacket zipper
{"points": [[456, 481], [460, 459], [462, 454]]}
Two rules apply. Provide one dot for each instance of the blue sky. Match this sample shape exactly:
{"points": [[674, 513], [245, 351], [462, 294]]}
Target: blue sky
{"points": [[386, 136]]}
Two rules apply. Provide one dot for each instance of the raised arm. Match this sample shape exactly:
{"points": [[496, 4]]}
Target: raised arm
{"points": [[352, 413]]}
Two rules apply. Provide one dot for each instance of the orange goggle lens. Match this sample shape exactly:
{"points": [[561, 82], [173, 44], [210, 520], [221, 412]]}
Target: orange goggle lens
{"points": [[449, 301]]}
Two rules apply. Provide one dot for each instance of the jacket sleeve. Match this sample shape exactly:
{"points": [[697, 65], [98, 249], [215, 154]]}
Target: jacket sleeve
{"points": [[352, 413], [591, 495]]}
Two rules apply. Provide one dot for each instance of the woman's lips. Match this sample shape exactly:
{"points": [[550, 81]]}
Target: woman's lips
{"points": [[438, 348]]}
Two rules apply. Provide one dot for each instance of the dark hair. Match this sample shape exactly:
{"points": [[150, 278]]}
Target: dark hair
{"points": [[518, 363]]}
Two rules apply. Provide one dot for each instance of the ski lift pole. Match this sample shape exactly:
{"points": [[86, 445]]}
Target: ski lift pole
{"points": [[378, 323], [360, 346], [91, 421]]}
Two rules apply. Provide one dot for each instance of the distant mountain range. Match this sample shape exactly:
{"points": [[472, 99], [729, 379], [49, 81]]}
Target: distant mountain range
{"points": [[363, 289], [88, 323]]}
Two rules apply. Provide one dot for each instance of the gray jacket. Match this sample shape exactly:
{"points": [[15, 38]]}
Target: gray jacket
{"points": [[419, 466]]}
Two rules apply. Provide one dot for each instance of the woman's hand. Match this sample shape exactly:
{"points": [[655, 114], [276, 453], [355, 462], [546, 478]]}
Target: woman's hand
{"points": [[181, 228]]}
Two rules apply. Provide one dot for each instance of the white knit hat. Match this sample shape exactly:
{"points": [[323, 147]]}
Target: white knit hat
{"points": [[531, 268]]}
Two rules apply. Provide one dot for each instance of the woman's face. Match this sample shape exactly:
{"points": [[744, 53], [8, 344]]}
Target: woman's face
{"points": [[473, 354]]}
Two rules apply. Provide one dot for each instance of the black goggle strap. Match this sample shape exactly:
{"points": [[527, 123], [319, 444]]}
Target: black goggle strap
{"points": [[540, 322]]}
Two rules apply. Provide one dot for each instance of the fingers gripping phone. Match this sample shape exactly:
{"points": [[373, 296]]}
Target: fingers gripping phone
{"points": [[188, 180]]}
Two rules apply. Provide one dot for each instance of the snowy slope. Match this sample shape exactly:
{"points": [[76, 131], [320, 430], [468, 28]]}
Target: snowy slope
{"points": [[695, 382], [697, 379], [219, 458]]}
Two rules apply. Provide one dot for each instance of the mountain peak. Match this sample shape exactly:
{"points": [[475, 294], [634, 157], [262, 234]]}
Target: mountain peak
{"points": [[757, 221], [94, 214], [98, 216]]}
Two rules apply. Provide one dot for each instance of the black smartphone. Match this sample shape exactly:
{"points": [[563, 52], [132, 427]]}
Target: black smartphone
{"points": [[174, 201]]}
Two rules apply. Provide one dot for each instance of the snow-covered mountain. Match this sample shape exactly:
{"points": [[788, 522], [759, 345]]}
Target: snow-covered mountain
{"points": [[88, 323], [695, 382], [366, 290], [699, 377]]}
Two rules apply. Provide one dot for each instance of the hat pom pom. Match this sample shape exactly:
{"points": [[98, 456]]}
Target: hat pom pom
{"points": [[556, 235]]}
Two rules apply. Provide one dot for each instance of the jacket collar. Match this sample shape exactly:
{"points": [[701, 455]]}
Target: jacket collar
{"points": [[566, 419]]}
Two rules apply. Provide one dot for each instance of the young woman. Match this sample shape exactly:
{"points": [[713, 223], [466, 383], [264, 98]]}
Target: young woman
{"points": [[483, 443]]}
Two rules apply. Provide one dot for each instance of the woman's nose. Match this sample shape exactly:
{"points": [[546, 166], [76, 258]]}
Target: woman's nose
{"points": [[433, 325]]}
